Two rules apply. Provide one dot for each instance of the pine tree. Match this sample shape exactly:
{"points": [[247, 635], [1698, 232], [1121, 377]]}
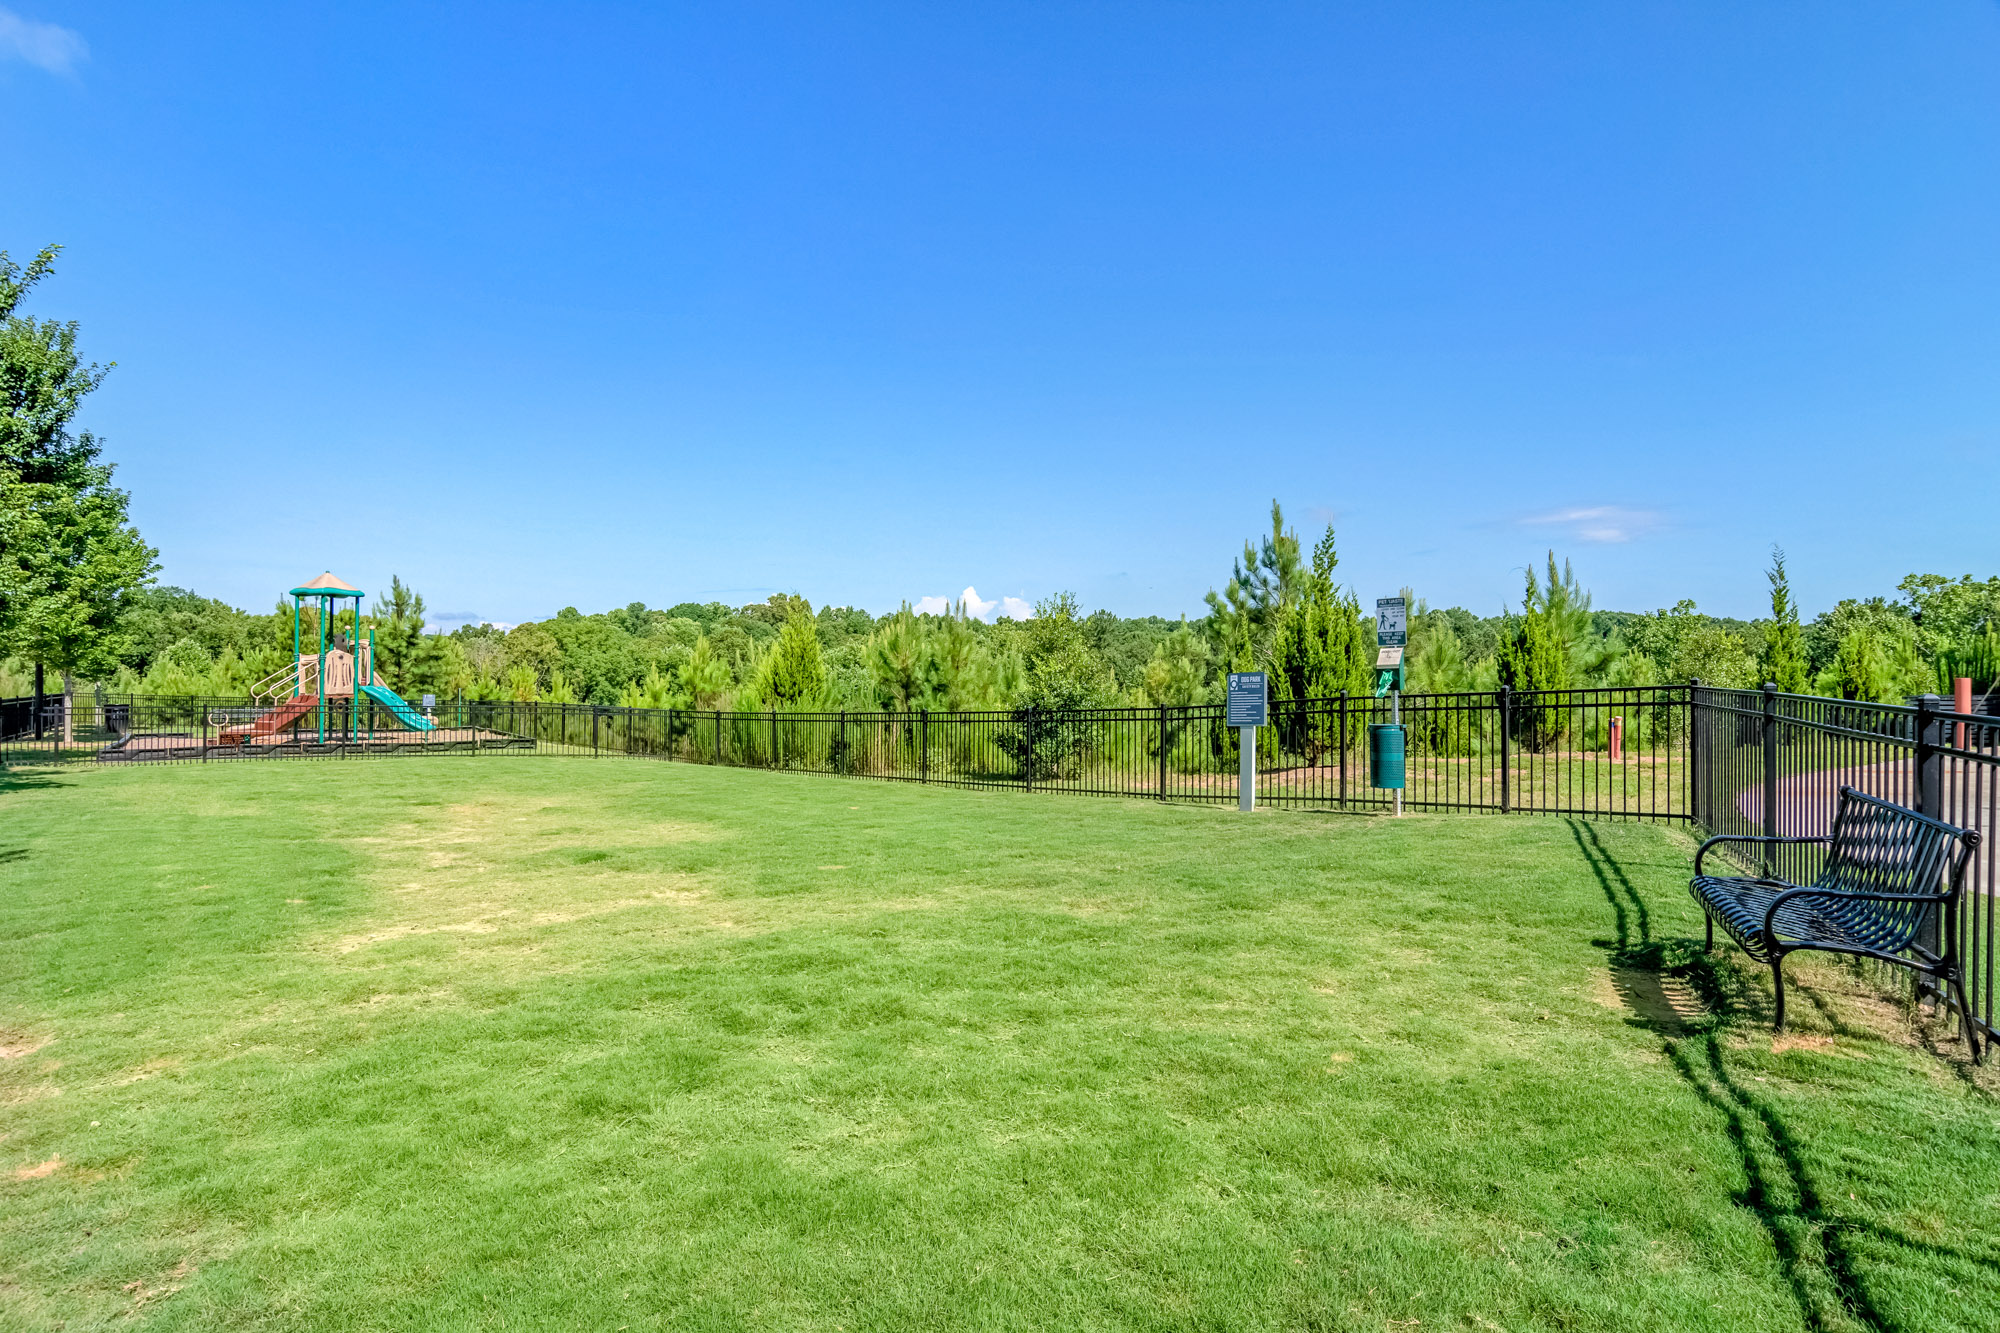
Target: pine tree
{"points": [[1322, 646], [408, 660], [656, 691], [1263, 585], [1784, 658], [705, 677], [521, 685], [960, 673], [1544, 647], [897, 661], [1547, 647], [796, 671]]}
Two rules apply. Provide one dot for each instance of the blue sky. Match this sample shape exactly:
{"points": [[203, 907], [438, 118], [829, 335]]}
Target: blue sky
{"points": [[587, 304]]}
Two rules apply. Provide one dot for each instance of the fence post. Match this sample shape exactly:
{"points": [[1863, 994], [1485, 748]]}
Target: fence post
{"points": [[1028, 748], [841, 749], [1343, 749], [1697, 806], [774, 735], [1929, 759], [718, 736], [1506, 726], [1770, 775], [923, 745], [1163, 752], [595, 714]]}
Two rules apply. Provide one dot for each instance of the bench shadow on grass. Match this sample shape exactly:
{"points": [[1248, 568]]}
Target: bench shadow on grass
{"points": [[1810, 1242]]}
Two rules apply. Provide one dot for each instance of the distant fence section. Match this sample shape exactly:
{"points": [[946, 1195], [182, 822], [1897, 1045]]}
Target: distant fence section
{"points": [[1600, 753]]}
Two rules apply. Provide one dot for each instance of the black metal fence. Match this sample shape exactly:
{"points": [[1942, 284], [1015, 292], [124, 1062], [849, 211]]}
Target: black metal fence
{"points": [[1601, 752], [1773, 764]]}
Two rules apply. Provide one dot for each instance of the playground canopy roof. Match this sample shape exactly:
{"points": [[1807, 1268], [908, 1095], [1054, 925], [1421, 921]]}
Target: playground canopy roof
{"points": [[326, 585]]}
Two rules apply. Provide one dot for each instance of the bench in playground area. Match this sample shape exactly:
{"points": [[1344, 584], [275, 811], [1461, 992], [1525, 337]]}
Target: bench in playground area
{"points": [[1889, 890]]}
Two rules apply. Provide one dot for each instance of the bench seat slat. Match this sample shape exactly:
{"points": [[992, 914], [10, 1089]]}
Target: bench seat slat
{"points": [[1739, 906]]}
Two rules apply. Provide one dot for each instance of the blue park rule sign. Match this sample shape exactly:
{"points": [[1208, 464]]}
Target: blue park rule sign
{"points": [[1246, 699]]}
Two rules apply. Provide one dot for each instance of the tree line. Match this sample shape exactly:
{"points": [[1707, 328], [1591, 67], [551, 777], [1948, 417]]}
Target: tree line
{"points": [[77, 599]]}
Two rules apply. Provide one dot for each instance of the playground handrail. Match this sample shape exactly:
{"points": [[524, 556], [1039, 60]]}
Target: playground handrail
{"points": [[301, 676]]}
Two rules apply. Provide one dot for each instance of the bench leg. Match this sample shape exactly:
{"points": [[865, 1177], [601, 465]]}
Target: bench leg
{"points": [[1778, 977], [1708, 921]]}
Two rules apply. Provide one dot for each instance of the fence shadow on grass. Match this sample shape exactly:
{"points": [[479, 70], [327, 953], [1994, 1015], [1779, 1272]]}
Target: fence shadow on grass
{"points": [[1811, 1243], [14, 779]]}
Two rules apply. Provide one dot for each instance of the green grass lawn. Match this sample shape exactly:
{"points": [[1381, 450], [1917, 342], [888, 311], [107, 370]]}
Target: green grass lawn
{"points": [[563, 1044]]}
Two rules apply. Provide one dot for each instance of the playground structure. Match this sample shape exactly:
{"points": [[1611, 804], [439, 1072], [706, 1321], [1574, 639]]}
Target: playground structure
{"points": [[337, 668]]}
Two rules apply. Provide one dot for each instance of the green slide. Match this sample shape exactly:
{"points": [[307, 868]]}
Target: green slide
{"points": [[393, 701]]}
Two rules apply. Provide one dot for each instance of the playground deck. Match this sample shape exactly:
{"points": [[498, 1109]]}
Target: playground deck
{"points": [[142, 746]]}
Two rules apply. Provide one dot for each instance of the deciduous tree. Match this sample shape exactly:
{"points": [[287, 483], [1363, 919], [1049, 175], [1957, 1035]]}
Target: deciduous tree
{"points": [[68, 562]]}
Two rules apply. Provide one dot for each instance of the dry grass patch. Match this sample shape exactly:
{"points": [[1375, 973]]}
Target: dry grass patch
{"points": [[40, 1170], [514, 866], [14, 1045]]}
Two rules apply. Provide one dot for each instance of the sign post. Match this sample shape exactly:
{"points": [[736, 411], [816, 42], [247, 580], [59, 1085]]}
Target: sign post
{"points": [[1245, 711], [1392, 635]]}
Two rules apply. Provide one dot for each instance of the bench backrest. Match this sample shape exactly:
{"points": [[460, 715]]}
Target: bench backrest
{"points": [[1880, 847]]}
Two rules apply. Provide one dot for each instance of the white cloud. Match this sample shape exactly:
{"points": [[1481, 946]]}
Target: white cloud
{"points": [[975, 607], [1598, 523], [44, 45], [444, 622], [979, 608]]}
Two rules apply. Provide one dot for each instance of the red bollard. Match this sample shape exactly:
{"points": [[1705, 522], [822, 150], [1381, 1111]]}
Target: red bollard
{"points": [[1961, 702], [1617, 739]]}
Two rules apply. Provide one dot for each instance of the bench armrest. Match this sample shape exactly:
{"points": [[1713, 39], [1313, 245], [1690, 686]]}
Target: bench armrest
{"points": [[1744, 837], [1842, 895]]}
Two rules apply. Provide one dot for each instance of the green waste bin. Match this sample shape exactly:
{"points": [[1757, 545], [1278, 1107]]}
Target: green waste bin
{"points": [[1385, 755]]}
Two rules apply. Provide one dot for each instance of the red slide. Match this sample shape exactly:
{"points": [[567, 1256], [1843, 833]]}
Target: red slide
{"points": [[286, 714]]}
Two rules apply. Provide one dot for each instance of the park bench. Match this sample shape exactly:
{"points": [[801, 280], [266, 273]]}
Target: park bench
{"points": [[1889, 890]]}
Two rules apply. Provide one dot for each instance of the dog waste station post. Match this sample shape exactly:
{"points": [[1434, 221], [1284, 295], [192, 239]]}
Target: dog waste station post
{"points": [[1386, 741], [1246, 714]]}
